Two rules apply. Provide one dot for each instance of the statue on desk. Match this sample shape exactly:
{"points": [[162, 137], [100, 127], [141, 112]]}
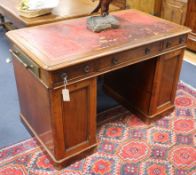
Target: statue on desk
{"points": [[103, 22], [104, 6]]}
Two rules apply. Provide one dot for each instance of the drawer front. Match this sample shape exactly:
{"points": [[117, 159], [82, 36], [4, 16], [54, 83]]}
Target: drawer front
{"points": [[174, 42], [26, 62], [75, 72], [128, 57], [76, 119]]}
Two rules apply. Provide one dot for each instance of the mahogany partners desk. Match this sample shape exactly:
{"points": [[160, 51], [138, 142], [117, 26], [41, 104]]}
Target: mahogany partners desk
{"points": [[140, 61]]}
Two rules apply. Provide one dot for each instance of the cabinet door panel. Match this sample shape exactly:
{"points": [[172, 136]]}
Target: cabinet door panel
{"points": [[173, 10], [120, 3], [191, 23], [76, 117], [169, 66], [167, 76], [75, 121], [142, 5]]}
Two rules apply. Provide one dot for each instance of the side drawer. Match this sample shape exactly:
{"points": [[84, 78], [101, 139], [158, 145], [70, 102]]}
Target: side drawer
{"points": [[174, 42], [26, 62], [129, 56], [74, 72]]}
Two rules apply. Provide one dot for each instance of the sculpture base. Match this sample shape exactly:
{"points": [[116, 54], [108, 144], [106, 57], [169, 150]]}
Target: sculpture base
{"points": [[100, 23]]}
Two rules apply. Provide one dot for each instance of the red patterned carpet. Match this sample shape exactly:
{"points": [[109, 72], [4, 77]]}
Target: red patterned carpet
{"points": [[127, 147]]}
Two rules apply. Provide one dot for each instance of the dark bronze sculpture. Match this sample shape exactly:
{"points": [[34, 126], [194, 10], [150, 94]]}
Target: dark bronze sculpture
{"points": [[104, 6]]}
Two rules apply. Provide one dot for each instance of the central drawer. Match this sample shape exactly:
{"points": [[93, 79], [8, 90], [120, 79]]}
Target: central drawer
{"points": [[128, 57]]}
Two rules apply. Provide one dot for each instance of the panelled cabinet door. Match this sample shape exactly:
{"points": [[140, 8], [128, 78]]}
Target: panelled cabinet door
{"points": [[165, 81], [120, 3], [191, 22], [174, 10], [75, 120], [143, 5]]}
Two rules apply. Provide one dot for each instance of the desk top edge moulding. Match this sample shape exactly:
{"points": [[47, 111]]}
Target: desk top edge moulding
{"points": [[75, 44], [140, 63]]}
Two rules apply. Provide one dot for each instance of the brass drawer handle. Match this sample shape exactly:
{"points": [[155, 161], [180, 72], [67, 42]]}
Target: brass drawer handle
{"points": [[87, 69], [28, 66], [19, 59], [147, 51], [26, 62], [114, 61], [168, 44]]}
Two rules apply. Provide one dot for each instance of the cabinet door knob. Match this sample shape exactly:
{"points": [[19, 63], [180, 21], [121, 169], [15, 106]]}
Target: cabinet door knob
{"points": [[114, 61], [86, 69], [147, 51]]}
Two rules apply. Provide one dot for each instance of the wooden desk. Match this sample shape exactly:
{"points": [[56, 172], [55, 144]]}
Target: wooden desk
{"points": [[140, 61], [66, 9]]}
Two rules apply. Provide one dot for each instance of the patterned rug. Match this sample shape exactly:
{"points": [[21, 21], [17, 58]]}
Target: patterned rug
{"points": [[127, 146]]}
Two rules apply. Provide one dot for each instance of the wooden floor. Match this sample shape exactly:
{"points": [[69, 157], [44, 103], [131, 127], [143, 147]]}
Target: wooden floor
{"points": [[190, 57]]}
